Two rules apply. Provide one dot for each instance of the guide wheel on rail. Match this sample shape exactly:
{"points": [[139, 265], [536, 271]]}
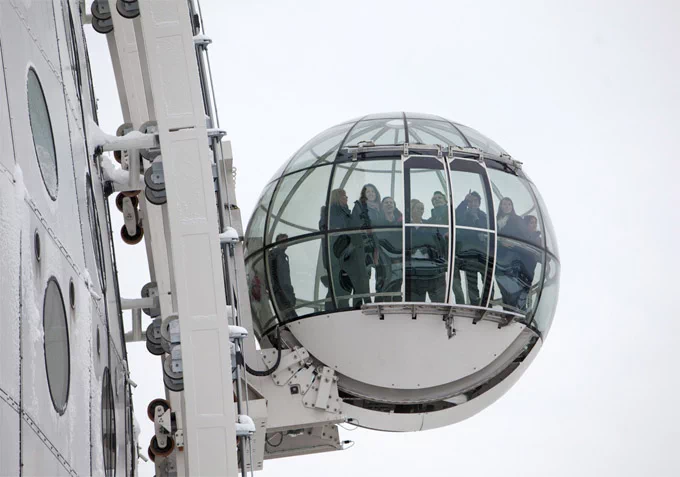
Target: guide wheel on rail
{"points": [[126, 195], [156, 451], [132, 239], [151, 408]]}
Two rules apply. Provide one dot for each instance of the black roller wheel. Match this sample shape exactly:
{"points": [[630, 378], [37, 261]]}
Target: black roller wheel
{"points": [[155, 197], [132, 239], [162, 451], [125, 11], [154, 349], [123, 195], [102, 26], [151, 408]]}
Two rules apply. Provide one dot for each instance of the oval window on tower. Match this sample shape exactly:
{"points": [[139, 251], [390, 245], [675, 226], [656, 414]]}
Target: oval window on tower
{"points": [[57, 359], [43, 139]]}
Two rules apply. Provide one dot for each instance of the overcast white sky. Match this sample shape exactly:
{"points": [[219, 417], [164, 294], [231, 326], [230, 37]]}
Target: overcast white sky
{"points": [[587, 95]]}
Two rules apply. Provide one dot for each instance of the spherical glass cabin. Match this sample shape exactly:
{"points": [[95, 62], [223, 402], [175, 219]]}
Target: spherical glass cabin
{"points": [[413, 256]]}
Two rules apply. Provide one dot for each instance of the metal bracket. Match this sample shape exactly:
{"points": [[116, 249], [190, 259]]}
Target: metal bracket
{"points": [[448, 322], [179, 438], [323, 393], [303, 379], [291, 363]]}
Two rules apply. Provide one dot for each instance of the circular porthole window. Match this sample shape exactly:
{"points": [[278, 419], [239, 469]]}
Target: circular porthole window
{"points": [[57, 358], [43, 139], [108, 425]]}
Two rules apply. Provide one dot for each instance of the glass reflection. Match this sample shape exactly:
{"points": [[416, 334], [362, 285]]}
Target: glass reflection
{"points": [[389, 266], [425, 131], [297, 277], [517, 214], [255, 233], [260, 302], [350, 268], [551, 241], [297, 202], [545, 312], [518, 275], [480, 141], [471, 272], [381, 132], [426, 180], [320, 150], [358, 192], [426, 259]]}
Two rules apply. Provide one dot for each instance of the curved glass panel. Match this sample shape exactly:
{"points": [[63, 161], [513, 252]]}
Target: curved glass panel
{"points": [[551, 241], [360, 191], [365, 266], [321, 149], [471, 194], [426, 263], [382, 132], [425, 131], [255, 233], [548, 303], [389, 115], [517, 214], [298, 278], [426, 191], [43, 139], [387, 281], [480, 141], [108, 426], [472, 267], [433, 117], [57, 358], [258, 291], [298, 204], [519, 269]]}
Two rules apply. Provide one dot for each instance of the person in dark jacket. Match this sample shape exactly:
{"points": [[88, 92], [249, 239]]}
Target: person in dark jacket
{"points": [[508, 222], [426, 262], [366, 214], [282, 286], [471, 248], [510, 257], [347, 264], [439, 214], [389, 267]]}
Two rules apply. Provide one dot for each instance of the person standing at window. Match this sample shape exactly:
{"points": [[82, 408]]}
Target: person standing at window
{"points": [[367, 213], [282, 285], [389, 268], [426, 272], [471, 248]]}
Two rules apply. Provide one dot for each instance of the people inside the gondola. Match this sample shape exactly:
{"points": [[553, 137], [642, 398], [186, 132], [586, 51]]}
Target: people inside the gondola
{"points": [[440, 209], [516, 262], [533, 234], [282, 285], [426, 259], [389, 268], [471, 249], [347, 266], [367, 213], [508, 223]]}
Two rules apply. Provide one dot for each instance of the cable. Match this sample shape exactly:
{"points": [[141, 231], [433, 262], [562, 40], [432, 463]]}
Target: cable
{"points": [[270, 371]]}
